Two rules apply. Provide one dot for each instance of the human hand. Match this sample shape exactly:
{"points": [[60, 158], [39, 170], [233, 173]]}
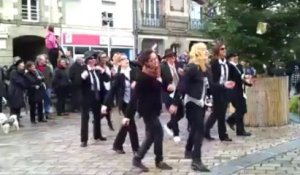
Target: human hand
{"points": [[125, 121], [229, 84], [104, 109], [133, 84], [173, 109], [84, 74], [181, 71], [171, 88]]}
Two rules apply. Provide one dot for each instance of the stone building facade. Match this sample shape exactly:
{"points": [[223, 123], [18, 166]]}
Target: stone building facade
{"points": [[166, 24], [22, 27]]}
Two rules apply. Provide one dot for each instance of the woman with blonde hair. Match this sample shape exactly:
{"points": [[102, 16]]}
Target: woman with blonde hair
{"points": [[196, 85]]}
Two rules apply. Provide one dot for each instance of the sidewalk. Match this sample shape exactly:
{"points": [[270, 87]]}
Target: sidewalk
{"points": [[53, 148]]}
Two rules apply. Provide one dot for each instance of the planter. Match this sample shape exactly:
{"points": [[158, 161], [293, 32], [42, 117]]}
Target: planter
{"points": [[268, 102]]}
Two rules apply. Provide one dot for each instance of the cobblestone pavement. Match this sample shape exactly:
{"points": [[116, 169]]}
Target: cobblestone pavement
{"points": [[283, 164], [53, 148]]}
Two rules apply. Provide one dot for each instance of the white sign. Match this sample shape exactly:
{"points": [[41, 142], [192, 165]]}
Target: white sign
{"points": [[3, 44], [103, 40], [68, 38]]}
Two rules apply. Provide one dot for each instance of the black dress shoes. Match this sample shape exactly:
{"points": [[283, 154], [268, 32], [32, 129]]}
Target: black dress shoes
{"points": [[119, 151], [209, 138], [163, 166], [102, 138], [83, 144], [199, 166], [43, 121], [244, 134], [138, 164], [227, 139]]}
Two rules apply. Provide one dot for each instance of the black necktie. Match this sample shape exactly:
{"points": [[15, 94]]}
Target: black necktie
{"points": [[95, 85]]}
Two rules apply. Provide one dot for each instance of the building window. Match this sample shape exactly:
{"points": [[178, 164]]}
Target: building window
{"points": [[152, 8], [81, 50], [196, 16], [107, 19], [151, 16], [30, 10]]}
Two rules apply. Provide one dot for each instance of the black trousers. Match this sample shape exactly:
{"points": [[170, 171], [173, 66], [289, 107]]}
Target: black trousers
{"points": [[61, 94], [131, 129], [239, 103], [76, 98], [1, 104], [195, 115], [53, 56], [175, 118], [36, 106], [95, 105], [154, 134], [220, 103], [16, 111]]}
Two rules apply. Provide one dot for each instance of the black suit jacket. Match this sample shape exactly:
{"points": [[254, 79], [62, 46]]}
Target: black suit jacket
{"points": [[118, 89], [87, 93], [167, 77], [236, 73], [216, 87]]}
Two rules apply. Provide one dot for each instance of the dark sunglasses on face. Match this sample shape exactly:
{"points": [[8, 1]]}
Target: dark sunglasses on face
{"points": [[223, 48]]}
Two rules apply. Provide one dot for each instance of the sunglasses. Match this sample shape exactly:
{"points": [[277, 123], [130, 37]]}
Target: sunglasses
{"points": [[223, 48]]}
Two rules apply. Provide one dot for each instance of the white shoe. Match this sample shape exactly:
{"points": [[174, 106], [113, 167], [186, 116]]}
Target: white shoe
{"points": [[177, 139], [168, 130]]}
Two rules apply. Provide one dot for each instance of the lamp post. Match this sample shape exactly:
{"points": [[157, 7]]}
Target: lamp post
{"points": [[107, 21]]}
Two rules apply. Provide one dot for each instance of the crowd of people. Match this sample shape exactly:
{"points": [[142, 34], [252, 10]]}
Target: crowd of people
{"points": [[188, 86]]}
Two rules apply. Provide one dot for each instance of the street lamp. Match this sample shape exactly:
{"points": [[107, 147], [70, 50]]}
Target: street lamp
{"points": [[107, 20]]}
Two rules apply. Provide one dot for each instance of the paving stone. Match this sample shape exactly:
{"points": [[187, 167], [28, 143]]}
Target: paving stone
{"points": [[53, 148]]}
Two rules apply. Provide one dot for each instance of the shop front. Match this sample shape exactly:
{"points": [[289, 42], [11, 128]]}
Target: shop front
{"points": [[78, 43]]}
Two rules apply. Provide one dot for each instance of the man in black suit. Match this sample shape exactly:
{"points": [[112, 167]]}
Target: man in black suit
{"points": [[219, 82], [92, 86], [170, 72], [237, 96]]}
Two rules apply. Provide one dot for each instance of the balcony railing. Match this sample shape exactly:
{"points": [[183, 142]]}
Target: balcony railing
{"points": [[155, 21], [196, 24], [30, 13]]}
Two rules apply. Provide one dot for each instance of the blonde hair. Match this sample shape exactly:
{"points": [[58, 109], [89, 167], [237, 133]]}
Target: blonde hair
{"points": [[197, 55], [116, 58]]}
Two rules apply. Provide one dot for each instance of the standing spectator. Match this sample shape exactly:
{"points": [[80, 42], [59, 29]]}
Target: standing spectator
{"points": [[52, 45], [295, 78], [36, 92], [75, 77], [16, 90], [2, 87], [48, 77], [60, 84]]}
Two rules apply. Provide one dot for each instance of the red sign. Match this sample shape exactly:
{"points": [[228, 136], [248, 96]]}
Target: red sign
{"points": [[81, 39]]}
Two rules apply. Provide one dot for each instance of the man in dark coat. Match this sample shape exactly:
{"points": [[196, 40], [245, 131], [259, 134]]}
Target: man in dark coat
{"points": [[75, 76]]}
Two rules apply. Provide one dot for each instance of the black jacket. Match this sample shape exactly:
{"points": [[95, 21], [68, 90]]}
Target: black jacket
{"points": [[61, 79], [216, 87], [87, 93], [75, 74], [16, 90], [118, 89], [236, 73], [194, 80], [167, 77], [35, 95], [148, 96]]}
